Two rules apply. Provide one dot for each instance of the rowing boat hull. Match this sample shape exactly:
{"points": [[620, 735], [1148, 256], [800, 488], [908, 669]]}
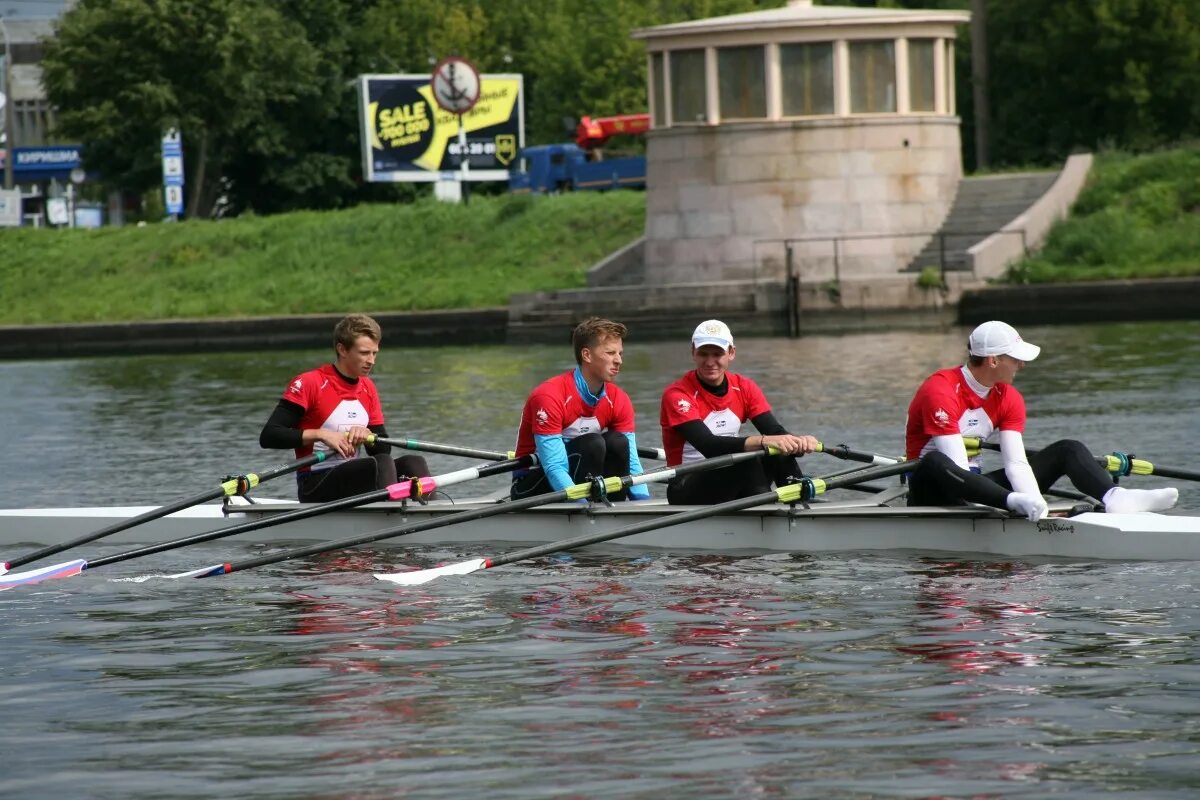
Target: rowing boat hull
{"points": [[845, 526]]}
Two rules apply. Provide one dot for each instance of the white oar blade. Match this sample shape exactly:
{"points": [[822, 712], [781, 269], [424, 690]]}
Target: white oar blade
{"points": [[417, 577], [64, 570], [203, 572]]}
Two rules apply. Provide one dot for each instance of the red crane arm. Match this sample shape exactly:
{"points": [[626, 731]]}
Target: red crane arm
{"points": [[592, 133]]}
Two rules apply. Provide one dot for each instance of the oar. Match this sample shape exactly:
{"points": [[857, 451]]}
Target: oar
{"points": [[579, 491], [656, 453], [403, 490], [233, 486], [1118, 463], [803, 491], [844, 452]]}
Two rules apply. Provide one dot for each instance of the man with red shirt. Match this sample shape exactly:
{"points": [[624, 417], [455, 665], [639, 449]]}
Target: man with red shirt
{"points": [[701, 416], [335, 407], [978, 399], [580, 423]]}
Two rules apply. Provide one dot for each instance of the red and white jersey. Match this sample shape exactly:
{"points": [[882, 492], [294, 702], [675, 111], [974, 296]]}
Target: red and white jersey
{"points": [[686, 400], [555, 408], [946, 404], [330, 401]]}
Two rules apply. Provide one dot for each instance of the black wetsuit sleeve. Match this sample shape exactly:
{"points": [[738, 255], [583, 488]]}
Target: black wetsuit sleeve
{"points": [[381, 432], [706, 442], [282, 431], [767, 425]]}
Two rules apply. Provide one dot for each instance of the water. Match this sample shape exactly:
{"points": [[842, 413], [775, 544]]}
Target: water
{"points": [[612, 672]]}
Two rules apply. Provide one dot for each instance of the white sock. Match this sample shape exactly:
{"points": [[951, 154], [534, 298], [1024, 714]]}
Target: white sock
{"points": [[1119, 500], [1031, 507]]}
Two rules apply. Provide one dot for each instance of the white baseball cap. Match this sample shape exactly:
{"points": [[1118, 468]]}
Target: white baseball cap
{"points": [[712, 331], [997, 338]]}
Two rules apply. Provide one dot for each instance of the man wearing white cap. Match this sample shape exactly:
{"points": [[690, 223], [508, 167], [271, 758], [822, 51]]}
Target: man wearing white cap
{"points": [[701, 417], [978, 399]]}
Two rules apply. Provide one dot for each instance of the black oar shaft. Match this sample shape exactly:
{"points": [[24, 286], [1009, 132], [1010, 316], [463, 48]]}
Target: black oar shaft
{"points": [[784, 494], [230, 487], [444, 449], [471, 452], [483, 513], [288, 516], [117, 527], [1136, 466]]}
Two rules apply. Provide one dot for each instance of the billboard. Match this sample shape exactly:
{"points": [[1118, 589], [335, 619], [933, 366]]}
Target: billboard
{"points": [[407, 137]]}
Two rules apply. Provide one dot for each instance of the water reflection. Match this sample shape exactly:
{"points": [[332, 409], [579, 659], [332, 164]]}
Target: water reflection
{"points": [[958, 628]]}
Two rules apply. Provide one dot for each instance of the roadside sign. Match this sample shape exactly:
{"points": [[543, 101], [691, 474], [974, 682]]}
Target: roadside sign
{"points": [[10, 208], [407, 136], [172, 169], [456, 85], [174, 199]]}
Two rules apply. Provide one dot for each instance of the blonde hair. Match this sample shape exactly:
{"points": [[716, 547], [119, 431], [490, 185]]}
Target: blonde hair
{"points": [[352, 326], [592, 331]]}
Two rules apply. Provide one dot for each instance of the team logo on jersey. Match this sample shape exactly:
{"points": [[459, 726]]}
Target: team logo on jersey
{"points": [[941, 417], [295, 387], [683, 405], [542, 417]]}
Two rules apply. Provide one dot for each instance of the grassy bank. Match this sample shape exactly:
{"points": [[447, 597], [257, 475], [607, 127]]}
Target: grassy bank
{"points": [[1138, 217], [428, 255]]}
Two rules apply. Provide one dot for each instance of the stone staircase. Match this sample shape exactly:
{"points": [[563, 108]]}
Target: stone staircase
{"points": [[982, 206]]}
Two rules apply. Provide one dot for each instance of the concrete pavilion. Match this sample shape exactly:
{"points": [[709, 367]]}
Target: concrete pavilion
{"points": [[803, 122]]}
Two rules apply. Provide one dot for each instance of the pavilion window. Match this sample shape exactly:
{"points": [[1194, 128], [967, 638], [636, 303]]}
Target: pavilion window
{"points": [[921, 80], [742, 82], [806, 73], [872, 77], [687, 87]]}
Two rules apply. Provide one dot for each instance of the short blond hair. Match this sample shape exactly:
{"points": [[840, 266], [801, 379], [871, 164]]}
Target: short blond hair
{"points": [[592, 331], [352, 326]]}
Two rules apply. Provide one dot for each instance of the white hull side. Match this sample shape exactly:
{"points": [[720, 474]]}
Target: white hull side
{"points": [[854, 526]]}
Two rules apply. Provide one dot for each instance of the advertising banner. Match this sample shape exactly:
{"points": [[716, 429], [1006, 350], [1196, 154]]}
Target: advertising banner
{"points": [[406, 136]]}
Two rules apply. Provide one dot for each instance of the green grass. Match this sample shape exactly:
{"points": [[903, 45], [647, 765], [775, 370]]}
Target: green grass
{"points": [[1137, 217], [427, 255]]}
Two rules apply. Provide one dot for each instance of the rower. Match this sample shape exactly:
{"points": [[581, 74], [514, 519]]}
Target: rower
{"points": [[979, 400], [336, 408], [701, 416], [580, 423]]}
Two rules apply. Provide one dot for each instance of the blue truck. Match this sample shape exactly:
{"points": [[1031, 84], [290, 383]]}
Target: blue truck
{"points": [[566, 168], [580, 165]]}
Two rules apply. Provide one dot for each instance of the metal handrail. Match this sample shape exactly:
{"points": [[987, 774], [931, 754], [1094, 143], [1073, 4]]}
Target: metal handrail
{"points": [[792, 271]]}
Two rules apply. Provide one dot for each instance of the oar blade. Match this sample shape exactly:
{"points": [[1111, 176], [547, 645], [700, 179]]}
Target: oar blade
{"points": [[203, 572], [420, 576], [66, 569]]}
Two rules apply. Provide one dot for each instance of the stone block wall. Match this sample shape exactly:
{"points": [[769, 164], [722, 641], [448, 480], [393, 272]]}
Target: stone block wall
{"points": [[720, 198]]}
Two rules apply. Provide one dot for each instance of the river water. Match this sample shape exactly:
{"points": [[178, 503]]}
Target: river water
{"points": [[610, 672]]}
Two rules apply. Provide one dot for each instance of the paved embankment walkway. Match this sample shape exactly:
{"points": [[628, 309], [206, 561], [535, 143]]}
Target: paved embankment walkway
{"points": [[1037, 304]]}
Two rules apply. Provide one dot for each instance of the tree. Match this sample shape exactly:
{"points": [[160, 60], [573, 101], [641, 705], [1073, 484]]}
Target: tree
{"points": [[1082, 73], [225, 72]]}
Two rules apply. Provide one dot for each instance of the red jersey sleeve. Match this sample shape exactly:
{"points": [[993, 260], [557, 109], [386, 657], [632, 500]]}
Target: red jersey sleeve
{"points": [[301, 390], [935, 409], [543, 410], [677, 407], [753, 398]]}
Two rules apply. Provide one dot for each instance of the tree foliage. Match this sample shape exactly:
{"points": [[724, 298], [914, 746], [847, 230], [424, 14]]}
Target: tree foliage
{"points": [[224, 71], [263, 89]]}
